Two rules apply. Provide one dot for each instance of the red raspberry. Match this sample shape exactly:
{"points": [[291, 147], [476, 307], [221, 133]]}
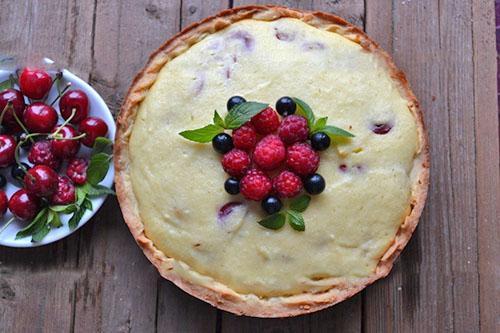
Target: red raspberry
{"points": [[236, 162], [255, 185], [266, 122], [270, 152], [293, 129], [77, 170], [245, 137], [41, 154], [287, 184], [302, 159], [65, 193]]}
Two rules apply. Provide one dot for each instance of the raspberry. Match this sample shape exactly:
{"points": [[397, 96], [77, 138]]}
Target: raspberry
{"points": [[270, 152], [65, 193], [293, 129], [41, 154], [302, 159], [236, 162], [266, 122], [77, 170], [245, 137], [255, 185], [287, 184]]}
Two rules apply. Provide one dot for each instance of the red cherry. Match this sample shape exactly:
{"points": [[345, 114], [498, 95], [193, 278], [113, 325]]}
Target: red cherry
{"points": [[74, 99], [4, 202], [7, 150], [35, 82], [93, 128], [65, 193], [24, 205], [40, 118], [41, 181], [66, 148], [16, 98]]}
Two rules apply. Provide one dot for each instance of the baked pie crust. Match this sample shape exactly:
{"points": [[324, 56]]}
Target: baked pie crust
{"points": [[215, 292]]}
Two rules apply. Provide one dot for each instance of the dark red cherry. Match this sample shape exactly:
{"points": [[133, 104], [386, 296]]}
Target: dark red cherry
{"points": [[93, 128], [65, 148], [24, 205], [4, 203], [77, 100], [35, 82], [41, 181], [7, 150], [16, 98], [40, 118]]}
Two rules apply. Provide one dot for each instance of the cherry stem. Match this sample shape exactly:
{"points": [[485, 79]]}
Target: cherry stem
{"points": [[60, 93], [6, 225], [22, 125], [73, 112], [58, 76], [8, 106], [20, 143]]}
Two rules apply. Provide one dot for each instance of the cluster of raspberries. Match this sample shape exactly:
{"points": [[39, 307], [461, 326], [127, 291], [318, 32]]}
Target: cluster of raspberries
{"points": [[271, 156]]}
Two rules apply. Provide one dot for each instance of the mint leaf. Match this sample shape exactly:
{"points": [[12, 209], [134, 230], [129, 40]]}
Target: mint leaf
{"points": [[6, 84], [242, 113], [218, 120], [56, 220], [274, 221], [98, 168], [65, 209], [98, 190], [296, 220], [75, 219], [102, 145], [87, 204], [303, 109], [335, 131], [81, 194], [36, 223], [319, 125], [301, 203], [41, 232], [203, 135]]}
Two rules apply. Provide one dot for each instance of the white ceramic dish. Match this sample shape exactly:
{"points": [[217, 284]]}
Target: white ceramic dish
{"points": [[97, 109]]}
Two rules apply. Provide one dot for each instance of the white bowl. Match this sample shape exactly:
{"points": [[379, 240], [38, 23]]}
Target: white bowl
{"points": [[97, 109]]}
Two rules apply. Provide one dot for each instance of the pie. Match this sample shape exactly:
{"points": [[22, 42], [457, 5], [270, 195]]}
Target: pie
{"points": [[170, 189]]}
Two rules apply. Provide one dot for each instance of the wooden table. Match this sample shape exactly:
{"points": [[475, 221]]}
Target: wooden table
{"points": [[446, 280]]}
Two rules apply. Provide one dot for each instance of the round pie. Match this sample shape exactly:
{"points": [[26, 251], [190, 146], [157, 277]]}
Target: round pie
{"points": [[171, 190]]}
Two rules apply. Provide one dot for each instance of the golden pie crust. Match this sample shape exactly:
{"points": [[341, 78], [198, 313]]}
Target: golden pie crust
{"points": [[219, 294]]}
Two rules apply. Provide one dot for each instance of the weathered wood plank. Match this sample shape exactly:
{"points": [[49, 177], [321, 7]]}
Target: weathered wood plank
{"points": [[36, 285], [487, 162], [434, 287]]}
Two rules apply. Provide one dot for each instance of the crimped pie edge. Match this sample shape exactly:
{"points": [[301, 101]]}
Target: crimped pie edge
{"points": [[216, 293]]}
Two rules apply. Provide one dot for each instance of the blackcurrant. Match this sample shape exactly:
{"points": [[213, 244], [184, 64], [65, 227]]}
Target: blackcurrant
{"points": [[233, 101], [222, 143], [314, 184], [286, 106], [3, 181], [17, 172], [320, 141], [271, 204], [232, 185]]}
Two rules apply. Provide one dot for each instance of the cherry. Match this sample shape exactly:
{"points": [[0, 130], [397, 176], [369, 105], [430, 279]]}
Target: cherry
{"points": [[65, 148], [35, 82], [7, 150], [77, 100], [41, 153], [41, 181], [24, 205], [93, 128], [65, 193], [4, 203], [16, 98], [40, 118]]}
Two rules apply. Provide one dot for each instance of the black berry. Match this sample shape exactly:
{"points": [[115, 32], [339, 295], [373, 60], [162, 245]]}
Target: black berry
{"points": [[3, 181], [17, 172], [286, 106], [271, 204], [314, 184], [232, 185], [320, 141], [222, 142], [233, 101]]}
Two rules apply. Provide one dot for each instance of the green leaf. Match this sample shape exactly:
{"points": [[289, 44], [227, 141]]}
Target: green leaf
{"points": [[296, 220], [65, 209], [335, 131], [81, 195], [56, 221], [303, 109], [36, 223], [242, 113], [203, 135], [218, 120], [301, 203], [6, 84], [320, 124], [75, 218], [41, 233], [87, 204], [98, 190], [274, 221], [102, 145], [98, 168]]}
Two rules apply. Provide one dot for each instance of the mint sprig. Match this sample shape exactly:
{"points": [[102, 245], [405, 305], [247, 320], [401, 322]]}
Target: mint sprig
{"points": [[238, 115], [292, 215]]}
